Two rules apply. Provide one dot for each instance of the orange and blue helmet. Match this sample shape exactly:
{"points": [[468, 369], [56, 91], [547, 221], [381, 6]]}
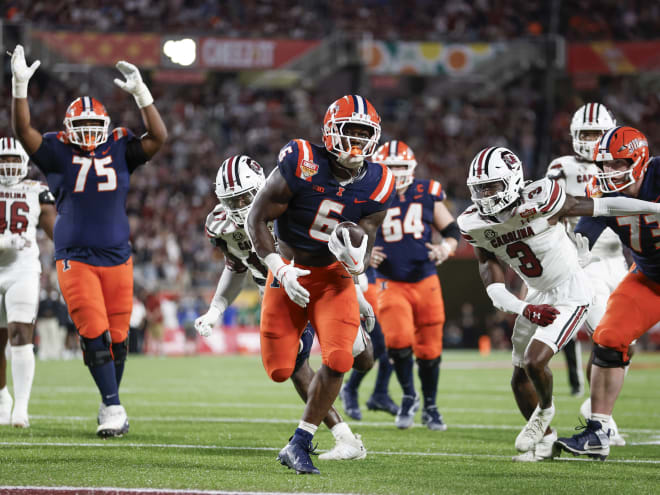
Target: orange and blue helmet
{"points": [[356, 110], [622, 143], [86, 122], [399, 157]]}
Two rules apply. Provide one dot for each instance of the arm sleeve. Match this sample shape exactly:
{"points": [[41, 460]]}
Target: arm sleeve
{"points": [[229, 286], [591, 228]]}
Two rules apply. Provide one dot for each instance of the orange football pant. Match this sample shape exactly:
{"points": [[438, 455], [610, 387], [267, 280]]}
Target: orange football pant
{"points": [[412, 314], [332, 310], [632, 309], [99, 298]]}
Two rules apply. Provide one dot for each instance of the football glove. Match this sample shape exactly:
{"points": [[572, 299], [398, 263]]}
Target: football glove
{"points": [[351, 257], [438, 253], [21, 73], [366, 311], [134, 84], [205, 323], [540, 314], [13, 241], [582, 244], [288, 278]]}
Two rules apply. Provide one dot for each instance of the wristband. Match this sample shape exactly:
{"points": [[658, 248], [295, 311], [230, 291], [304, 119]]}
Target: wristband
{"points": [[19, 89]]}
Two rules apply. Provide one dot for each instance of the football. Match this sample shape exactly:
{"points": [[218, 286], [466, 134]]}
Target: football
{"points": [[355, 232]]}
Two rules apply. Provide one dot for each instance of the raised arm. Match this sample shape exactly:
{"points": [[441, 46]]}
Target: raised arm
{"points": [[156, 134], [29, 137]]}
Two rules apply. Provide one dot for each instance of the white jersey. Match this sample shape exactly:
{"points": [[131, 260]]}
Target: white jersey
{"points": [[235, 243], [574, 174], [539, 252], [20, 208]]}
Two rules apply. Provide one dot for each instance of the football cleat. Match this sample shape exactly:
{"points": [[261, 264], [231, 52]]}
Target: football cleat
{"points": [[542, 451], [19, 418], [296, 456], [433, 419], [405, 416], [348, 447], [616, 439], [535, 428], [593, 441], [349, 399], [5, 406], [382, 402], [113, 422]]}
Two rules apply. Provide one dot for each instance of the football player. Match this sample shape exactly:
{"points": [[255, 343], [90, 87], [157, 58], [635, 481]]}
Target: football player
{"points": [[88, 170], [24, 206], [311, 191], [237, 182], [519, 225], [573, 172], [380, 399], [626, 171], [410, 305]]}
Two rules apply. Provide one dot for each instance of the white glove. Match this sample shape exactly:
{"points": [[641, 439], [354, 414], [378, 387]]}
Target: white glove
{"points": [[288, 278], [13, 241], [21, 73], [205, 323], [366, 311], [134, 84], [438, 253], [582, 244], [351, 257]]}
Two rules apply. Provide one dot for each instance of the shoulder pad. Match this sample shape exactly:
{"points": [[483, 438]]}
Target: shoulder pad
{"points": [[556, 169], [217, 222], [544, 196], [60, 136], [435, 189], [468, 222], [385, 187], [119, 132], [297, 158]]}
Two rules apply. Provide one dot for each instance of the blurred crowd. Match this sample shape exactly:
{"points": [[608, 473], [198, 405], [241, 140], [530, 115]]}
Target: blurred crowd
{"points": [[451, 20]]}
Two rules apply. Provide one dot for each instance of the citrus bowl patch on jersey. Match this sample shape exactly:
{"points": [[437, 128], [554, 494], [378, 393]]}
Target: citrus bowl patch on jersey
{"points": [[355, 232]]}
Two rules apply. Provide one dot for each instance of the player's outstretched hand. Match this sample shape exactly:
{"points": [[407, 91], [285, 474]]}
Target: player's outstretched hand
{"points": [[350, 256], [20, 72], [205, 323], [14, 241], [540, 314], [133, 84], [377, 256], [366, 311], [288, 277], [582, 244], [438, 253]]}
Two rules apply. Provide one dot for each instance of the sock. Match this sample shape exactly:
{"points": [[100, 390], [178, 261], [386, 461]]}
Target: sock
{"points": [[404, 372], [22, 371], [304, 433], [119, 371], [341, 430], [104, 375], [355, 379], [428, 376], [603, 419], [383, 377]]}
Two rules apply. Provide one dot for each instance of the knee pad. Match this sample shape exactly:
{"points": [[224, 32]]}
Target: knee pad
{"points": [[400, 354], [608, 358], [281, 374], [429, 363], [120, 351], [96, 352], [340, 361]]}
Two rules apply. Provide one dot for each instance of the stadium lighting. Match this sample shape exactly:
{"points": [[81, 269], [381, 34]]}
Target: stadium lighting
{"points": [[181, 52]]}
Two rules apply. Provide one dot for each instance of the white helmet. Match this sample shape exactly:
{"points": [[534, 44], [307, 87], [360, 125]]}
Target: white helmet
{"points": [[495, 180], [590, 117], [12, 172], [399, 157], [238, 180]]}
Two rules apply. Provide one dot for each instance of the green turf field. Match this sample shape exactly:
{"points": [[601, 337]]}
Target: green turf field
{"points": [[218, 423]]}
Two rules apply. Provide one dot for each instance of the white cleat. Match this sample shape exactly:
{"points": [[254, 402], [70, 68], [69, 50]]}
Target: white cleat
{"points": [[616, 440], [113, 421], [542, 451], [19, 419], [535, 428], [346, 448], [5, 406]]}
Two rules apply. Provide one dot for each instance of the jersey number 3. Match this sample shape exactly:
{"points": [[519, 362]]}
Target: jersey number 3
{"points": [[102, 170], [530, 265]]}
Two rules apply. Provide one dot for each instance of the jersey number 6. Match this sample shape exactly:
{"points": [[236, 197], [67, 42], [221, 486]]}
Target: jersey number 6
{"points": [[102, 170]]}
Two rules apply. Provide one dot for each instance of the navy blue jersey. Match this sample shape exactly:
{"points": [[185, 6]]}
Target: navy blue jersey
{"points": [[90, 189], [371, 274], [641, 233], [405, 231], [319, 202]]}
